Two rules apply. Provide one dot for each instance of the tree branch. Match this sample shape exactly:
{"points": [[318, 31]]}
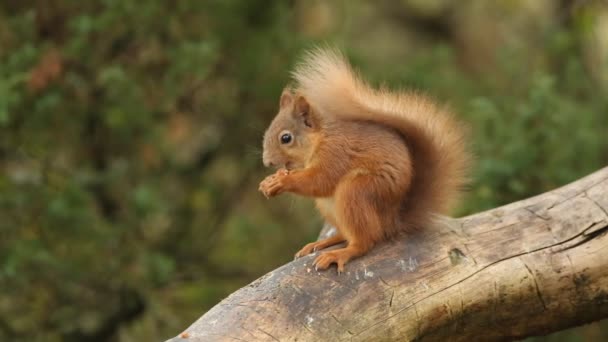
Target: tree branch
{"points": [[528, 268]]}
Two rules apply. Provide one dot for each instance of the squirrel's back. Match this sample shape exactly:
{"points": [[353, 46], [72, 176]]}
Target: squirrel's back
{"points": [[436, 141]]}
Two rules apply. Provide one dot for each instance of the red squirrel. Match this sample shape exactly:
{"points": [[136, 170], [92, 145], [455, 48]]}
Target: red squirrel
{"points": [[378, 162]]}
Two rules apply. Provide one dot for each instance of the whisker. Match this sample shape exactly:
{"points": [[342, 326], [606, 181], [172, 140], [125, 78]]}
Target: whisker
{"points": [[253, 151]]}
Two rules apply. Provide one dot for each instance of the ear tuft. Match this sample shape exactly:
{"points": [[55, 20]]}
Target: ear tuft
{"points": [[286, 98]]}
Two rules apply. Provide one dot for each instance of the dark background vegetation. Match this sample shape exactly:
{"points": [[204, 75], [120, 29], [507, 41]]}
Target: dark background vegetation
{"points": [[130, 138]]}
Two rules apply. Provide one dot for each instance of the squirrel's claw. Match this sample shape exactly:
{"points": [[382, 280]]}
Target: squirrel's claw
{"points": [[324, 260], [309, 248]]}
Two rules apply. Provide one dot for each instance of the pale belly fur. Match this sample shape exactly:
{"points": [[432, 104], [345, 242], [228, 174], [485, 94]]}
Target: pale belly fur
{"points": [[326, 206]]}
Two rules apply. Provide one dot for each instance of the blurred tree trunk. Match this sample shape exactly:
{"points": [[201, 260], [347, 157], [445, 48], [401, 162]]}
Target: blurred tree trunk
{"points": [[524, 269]]}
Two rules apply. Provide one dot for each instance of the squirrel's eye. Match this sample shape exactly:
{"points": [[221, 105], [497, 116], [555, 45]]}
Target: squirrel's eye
{"points": [[286, 138]]}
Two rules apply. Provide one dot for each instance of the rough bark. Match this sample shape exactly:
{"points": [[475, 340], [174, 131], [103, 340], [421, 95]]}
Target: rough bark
{"points": [[528, 268]]}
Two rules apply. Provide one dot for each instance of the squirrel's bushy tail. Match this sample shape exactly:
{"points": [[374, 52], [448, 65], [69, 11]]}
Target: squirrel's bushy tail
{"points": [[436, 140]]}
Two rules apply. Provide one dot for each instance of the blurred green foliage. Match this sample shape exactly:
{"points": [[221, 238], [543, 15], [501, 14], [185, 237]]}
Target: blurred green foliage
{"points": [[130, 140]]}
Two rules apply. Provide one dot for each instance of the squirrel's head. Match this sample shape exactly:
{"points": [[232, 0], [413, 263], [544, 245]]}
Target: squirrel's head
{"points": [[291, 138]]}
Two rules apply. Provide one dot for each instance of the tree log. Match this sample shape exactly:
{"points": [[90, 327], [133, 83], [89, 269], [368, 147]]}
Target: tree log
{"points": [[528, 268]]}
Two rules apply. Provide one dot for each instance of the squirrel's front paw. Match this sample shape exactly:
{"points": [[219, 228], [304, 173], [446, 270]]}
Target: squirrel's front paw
{"points": [[274, 184]]}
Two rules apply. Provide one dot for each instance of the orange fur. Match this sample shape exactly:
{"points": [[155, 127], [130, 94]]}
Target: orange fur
{"points": [[378, 162]]}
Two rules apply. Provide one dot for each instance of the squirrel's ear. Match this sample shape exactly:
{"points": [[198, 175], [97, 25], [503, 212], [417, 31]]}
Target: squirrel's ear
{"points": [[286, 98], [303, 112]]}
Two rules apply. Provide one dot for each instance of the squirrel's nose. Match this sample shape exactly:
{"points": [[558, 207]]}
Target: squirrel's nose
{"points": [[267, 162]]}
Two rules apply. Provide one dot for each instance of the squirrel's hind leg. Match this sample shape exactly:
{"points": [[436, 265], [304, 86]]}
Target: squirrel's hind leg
{"points": [[360, 202], [318, 245], [338, 256]]}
